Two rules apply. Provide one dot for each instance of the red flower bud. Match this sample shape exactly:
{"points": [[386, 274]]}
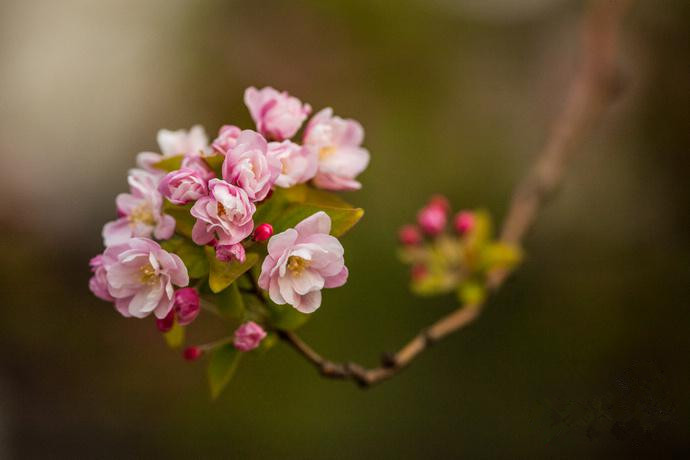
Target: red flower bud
{"points": [[409, 235], [441, 202], [165, 324], [464, 222], [187, 305], [432, 220], [192, 353], [263, 232]]}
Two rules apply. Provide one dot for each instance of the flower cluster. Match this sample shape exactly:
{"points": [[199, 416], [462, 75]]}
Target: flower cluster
{"points": [[452, 252], [202, 210]]}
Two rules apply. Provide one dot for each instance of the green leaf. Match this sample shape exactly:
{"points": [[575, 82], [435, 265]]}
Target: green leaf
{"points": [[222, 367], [215, 162], [342, 219], [286, 317], [222, 274], [184, 222], [471, 292], [175, 336], [170, 163], [230, 304], [191, 254], [270, 210]]}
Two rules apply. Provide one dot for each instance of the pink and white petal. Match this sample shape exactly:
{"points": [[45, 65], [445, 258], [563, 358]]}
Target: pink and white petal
{"points": [[316, 223], [307, 281], [117, 232], [281, 242], [274, 292], [337, 280], [165, 227], [309, 303]]}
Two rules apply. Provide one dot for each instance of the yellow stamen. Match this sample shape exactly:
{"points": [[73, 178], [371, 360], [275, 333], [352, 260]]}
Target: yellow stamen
{"points": [[148, 274], [142, 214], [221, 210], [297, 265], [325, 152]]}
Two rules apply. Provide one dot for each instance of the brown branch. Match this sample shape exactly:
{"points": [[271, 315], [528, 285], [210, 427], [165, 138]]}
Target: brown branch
{"points": [[594, 87]]}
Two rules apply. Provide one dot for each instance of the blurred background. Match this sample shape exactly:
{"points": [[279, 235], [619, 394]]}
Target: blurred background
{"points": [[584, 352]]}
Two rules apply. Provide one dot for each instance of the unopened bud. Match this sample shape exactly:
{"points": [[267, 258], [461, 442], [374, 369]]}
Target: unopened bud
{"points": [[263, 232], [192, 353]]}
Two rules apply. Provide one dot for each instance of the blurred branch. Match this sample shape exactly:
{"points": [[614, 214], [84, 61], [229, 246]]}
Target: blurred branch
{"points": [[594, 87]]}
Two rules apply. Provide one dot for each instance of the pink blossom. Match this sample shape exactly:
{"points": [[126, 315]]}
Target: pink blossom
{"points": [[301, 261], [248, 336], [183, 186], [248, 166], [98, 284], [338, 145], [277, 115], [432, 219], [298, 164], [227, 138], [140, 212], [187, 305], [225, 214], [197, 163], [173, 143], [230, 252], [140, 276]]}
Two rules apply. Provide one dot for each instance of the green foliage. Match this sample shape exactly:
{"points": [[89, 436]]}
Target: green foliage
{"points": [[184, 222], [215, 162], [285, 317], [170, 164], [222, 367], [191, 254], [222, 274], [175, 336], [230, 304], [288, 207]]}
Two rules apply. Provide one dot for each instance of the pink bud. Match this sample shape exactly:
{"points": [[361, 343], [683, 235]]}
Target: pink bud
{"points": [[187, 305], [248, 336], [263, 232], [418, 272], [432, 219], [464, 222], [441, 202], [230, 252], [409, 235], [192, 353], [165, 324]]}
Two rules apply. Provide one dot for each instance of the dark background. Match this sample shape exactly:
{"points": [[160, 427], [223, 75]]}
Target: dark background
{"points": [[584, 351]]}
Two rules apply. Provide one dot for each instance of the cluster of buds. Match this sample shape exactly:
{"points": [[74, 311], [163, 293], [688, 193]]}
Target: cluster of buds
{"points": [[199, 215], [452, 257]]}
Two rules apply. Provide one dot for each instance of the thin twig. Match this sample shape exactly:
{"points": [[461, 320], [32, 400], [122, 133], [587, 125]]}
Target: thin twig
{"points": [[594, 87]]}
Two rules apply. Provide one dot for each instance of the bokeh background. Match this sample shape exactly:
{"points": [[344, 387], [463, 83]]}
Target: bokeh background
{"points": [[584, 352]]}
